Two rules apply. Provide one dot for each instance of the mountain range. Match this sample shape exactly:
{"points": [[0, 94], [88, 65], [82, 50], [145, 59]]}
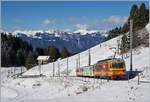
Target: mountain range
{"points": [[75, 42]]}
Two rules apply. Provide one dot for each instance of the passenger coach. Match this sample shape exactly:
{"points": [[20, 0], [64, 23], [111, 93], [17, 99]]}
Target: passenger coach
{"points": [[113, 68]]}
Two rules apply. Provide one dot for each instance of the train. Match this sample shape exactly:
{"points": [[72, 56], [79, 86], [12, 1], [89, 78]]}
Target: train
{"points": [[111, 68]]}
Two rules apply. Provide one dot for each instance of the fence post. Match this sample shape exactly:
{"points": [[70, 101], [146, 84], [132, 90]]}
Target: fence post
{"points": [[8, 73], [21, 70], [14, 73], [99, 83], [128, 77], [67, 68], [138, 77], [58, 69], [39, 62], [53, 68]]}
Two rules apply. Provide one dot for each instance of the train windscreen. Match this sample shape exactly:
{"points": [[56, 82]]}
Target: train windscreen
{"points": [[118, 65]]}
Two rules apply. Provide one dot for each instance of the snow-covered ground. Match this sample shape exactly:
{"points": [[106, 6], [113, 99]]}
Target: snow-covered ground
{"points": [[75, 89]]}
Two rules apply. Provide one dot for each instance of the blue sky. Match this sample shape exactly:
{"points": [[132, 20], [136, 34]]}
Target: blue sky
{"points": [[61, 15]]}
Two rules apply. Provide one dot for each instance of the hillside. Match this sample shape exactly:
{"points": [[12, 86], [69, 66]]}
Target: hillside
{"points": [[99, 52], [72, 89]]}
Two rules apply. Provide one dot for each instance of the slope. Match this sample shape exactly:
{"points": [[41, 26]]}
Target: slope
{"points": [[74, 89]]}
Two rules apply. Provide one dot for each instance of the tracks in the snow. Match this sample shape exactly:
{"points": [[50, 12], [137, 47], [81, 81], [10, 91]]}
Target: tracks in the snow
{"points": [[11, 89]]}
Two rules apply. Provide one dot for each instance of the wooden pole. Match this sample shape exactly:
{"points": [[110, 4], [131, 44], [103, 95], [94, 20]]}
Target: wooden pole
{"points": [[131, 25], [77, 63], [118, 43], [89, 58]]}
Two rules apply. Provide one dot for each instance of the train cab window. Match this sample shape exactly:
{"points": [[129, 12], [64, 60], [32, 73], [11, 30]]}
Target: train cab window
{"points": [[118, 65]]}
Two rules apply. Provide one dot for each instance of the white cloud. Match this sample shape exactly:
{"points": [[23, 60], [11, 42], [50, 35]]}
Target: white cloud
{"points": [[49, 21], [110, 22], [82, 26], [28, 32], [85, 28], [107, 23], [115, 20]]}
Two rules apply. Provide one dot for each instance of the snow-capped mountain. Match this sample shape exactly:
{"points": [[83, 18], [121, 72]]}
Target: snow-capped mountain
{"points": [[75, 41]]}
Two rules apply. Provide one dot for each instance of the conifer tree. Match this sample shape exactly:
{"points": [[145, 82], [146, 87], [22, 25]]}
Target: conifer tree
{"points": [[142, 15], [65, 53], [125, 44], [20, 57], [53, 53], [30, 62]]}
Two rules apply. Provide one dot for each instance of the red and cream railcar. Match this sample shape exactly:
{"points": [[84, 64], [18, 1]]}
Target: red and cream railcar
{"points": [[110, 68]]}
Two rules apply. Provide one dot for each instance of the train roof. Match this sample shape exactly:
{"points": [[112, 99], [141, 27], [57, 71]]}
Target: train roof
{"points": [[111, 59], [105, 60]]}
